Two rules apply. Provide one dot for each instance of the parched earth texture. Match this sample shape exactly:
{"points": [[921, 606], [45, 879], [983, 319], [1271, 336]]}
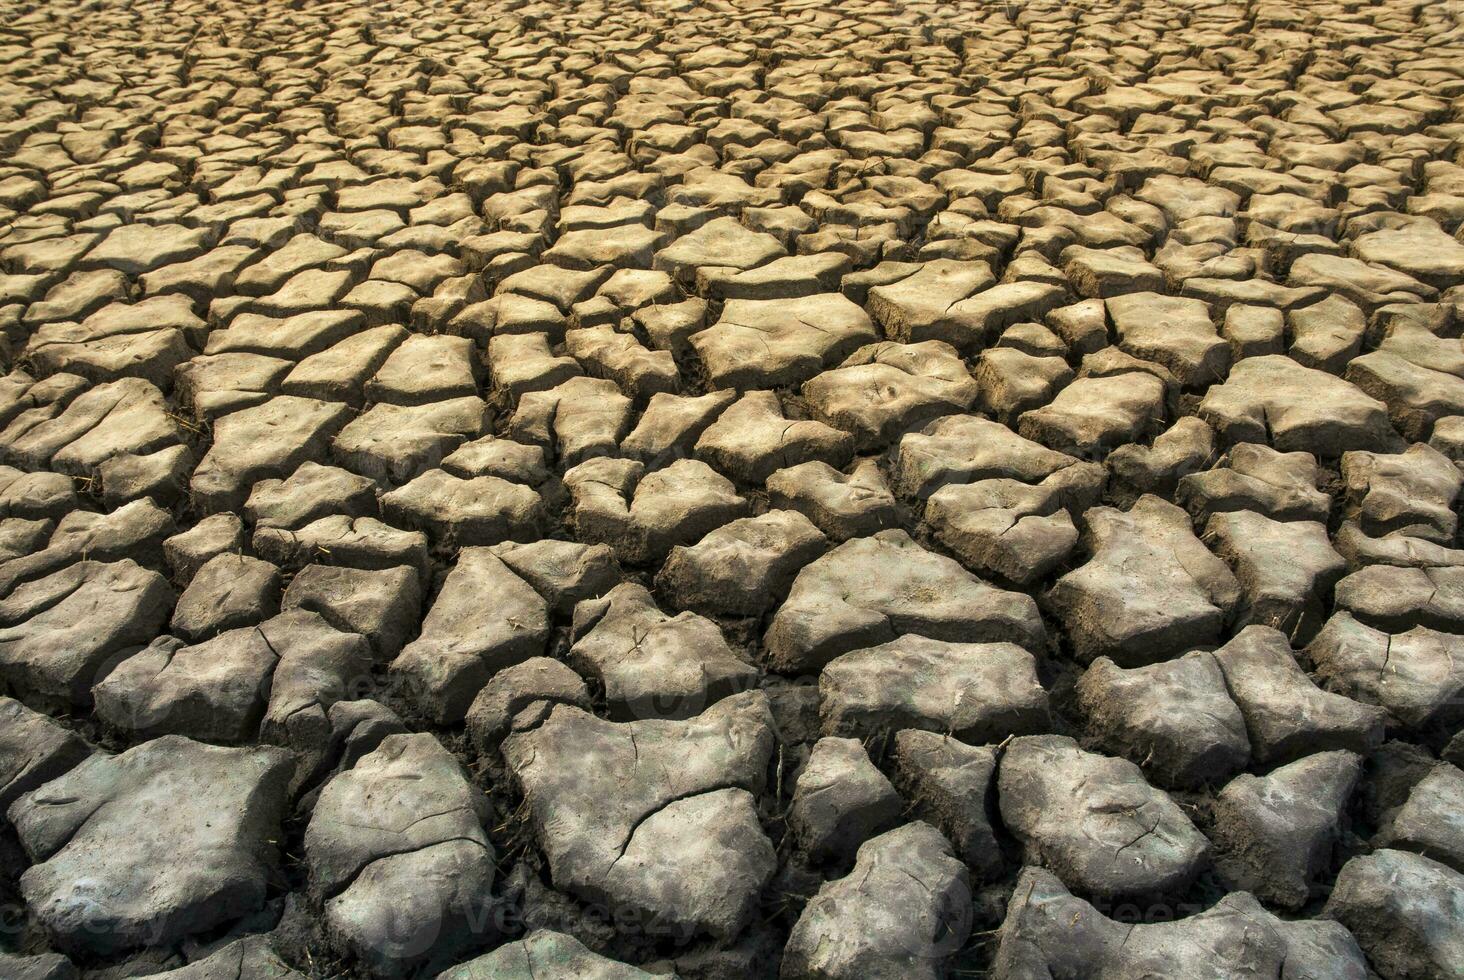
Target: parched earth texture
{"points": [[501, 489]]}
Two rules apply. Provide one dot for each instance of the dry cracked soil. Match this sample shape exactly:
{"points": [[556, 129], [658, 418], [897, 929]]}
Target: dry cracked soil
{"points": [[855, 490]]}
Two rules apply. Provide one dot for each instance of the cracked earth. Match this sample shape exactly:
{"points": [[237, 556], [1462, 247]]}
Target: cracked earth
{"points": [[731, 490]]}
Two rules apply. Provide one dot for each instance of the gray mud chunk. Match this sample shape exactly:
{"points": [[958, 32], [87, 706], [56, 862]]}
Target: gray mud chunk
{"points": [[1254, 331], [1186, 447], [1395, 550], [1017, 531], [1418, 675], [275, 681], [916, 305], [36, 495], [952, 785], [575, 421], [1032, 339], [249, 957], [1274, 835], [161, 476], [1420, 248], [125, 416], [652, 665], [398, 855], [841, 505], [1327, 334], [1406, 911], [1220, 293], [644, 515], [870, 590], [188, 551], [134, 531], [229, 591], [357, 728], [1108, 362], [669, 326], [393, 443], [840, 801], [519, 698], [790, 277], [752, 439], [975, 322], [1398, 599], [139, 248], [1367, 285], [318, 667], [1173, 331], [482, 510], [27, 401], [20, 537], [721, 242], [775, 343], [465, 640], [744, 567], [383, 605], [33, 750], [671, 424], [1431, 820], [1286, 570], [968, 449], [544, 953], [1448, 437], [1053, 934], [427, 369], [270, 440], [59, 634], [884, 389], [899, 915], [1286, 715], [503, 458], [1082, 326], [1012, 381], [620, 357], [655, 818], [1094, 415], [1174, 719], [43, 966], [1273, 399], [352, 542], [203, 820], [313, 491], [1411, 493], [209, 387], [340, 372], [1150, 591], [1114, 272], [1417, 395], [1095, 821], [977, 692], [565, 573], [1255, 477]]}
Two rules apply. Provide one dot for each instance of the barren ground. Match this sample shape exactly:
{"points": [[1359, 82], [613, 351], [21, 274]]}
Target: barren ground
{"points": [[862, 490]]}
